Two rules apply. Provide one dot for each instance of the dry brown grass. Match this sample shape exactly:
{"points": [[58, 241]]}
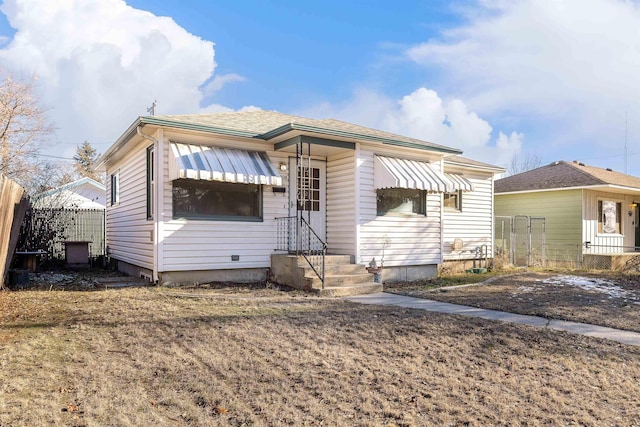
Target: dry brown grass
{"points": [[153, 356], [527, 293]]}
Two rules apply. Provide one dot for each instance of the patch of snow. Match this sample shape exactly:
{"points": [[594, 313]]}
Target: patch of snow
{"points": [[591, 284]]}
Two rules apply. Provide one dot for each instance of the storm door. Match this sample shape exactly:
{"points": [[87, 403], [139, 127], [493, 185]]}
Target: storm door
{"points": [[309, 193]]}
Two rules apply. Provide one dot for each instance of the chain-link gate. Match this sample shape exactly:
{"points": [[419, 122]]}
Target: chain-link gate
{"points": [[520, 240]]}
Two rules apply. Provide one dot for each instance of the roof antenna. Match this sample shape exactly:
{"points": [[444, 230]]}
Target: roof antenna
{"points": [[152, 109]]}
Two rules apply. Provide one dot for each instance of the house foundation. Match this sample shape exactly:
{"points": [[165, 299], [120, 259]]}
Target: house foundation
{"points": [[410, 273], [242, 275]]}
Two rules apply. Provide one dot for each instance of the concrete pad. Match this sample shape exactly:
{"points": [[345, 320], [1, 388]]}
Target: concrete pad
{"points": [[383, 298]]}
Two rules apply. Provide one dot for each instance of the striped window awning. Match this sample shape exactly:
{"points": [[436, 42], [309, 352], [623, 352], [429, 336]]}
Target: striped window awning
{"points": [[391, 172], [222, 164], [459, 182]]}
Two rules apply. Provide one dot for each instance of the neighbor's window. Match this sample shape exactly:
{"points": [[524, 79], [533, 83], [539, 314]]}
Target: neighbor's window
{"points": [[400, 201], [115, 188], [453, 201], [150, 182], [216, 200], [609, 217]]}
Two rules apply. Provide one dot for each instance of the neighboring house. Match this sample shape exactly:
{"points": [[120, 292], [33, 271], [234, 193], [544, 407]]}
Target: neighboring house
{"points": [[74, 212], [586, 209], [214, 196], [84, 193]]}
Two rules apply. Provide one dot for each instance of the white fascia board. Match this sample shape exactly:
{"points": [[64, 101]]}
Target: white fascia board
{"points": [[616, 188]]}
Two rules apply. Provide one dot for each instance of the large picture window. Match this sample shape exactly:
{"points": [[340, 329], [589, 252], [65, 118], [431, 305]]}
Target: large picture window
{"points": [[216, 200], [609, 217], [400, 201]]}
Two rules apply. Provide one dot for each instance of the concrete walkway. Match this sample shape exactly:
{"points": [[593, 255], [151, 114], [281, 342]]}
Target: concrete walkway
{"points": [[383, 298]]}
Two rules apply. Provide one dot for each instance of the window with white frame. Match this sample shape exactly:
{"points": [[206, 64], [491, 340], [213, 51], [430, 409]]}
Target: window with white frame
{"points": [[150, 182], [391, 201], [115, 188], [453, 201], [609, 217]]}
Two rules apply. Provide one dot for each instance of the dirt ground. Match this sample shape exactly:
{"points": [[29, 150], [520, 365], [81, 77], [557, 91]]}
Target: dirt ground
{"points": [[258, 356], [604, 298]]}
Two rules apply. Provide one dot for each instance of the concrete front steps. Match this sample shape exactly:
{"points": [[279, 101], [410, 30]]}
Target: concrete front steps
{"points": [[341, 278]]}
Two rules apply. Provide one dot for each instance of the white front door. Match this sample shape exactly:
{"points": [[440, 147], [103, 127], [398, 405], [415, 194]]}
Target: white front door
{"points": [[311, 197]]}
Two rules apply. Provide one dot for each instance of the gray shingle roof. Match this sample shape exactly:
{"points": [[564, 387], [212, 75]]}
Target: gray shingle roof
{"points": [[259, 122], [563, 174], [470, 162]]}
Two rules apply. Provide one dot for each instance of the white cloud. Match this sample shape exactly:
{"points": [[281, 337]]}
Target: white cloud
{"points": [[424, 115], [219, 81], [570, 65], [103, 63]]}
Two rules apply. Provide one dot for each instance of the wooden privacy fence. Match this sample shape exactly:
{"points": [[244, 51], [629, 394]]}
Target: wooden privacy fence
{"points": [[14, 203]]}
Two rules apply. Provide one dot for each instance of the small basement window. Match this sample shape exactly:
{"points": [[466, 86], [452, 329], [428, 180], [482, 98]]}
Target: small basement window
{"points": [[216, 200], [401, 201]]}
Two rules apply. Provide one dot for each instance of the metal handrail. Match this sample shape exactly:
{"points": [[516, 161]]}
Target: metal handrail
{"points": [[315, 260], [295, 235]]}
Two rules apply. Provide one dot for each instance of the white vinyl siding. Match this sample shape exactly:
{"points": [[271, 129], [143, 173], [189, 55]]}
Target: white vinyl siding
{"points": [[208, 245], [407, 240], [473, 224], [341, 221], [129, 234], [602, 242]]}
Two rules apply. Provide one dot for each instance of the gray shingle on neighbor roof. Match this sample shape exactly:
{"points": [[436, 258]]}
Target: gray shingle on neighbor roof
{"points": [[260, 122], [563, 174]]}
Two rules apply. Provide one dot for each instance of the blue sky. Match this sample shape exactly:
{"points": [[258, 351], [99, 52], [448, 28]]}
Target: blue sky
{"points": [[556, 80]]}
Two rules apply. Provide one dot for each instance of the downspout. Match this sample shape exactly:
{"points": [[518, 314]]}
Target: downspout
{"points": [[155, 208], [441, 218], [493, 221], [357, 218]]}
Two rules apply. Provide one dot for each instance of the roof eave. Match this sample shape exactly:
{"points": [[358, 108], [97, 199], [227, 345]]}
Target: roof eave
{"points": [[120, 142], [151, 120], [290, 127], [155, 121], [496, 169], [601, 187]]}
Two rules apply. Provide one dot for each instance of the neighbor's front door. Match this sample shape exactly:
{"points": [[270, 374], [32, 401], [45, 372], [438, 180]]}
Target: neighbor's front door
{"points": [[310, 198]]}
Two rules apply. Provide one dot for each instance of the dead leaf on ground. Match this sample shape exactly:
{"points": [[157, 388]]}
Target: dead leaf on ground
{"points": [[71, 408], [219, 410]]}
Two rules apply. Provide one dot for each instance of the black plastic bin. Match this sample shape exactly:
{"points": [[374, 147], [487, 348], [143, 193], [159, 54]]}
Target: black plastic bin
{"points": [[19, 278]]}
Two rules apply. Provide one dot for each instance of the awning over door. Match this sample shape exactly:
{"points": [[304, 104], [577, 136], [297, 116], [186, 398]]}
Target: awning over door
{"points": [[390, 172], [222, 164], [459, 182]]}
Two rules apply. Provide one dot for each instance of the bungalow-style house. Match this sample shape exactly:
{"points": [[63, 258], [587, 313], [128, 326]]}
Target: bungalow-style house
{"points": [[237, 196], [586, 209], [84, 193]]}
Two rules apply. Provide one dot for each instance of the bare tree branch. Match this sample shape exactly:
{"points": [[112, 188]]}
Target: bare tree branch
{"points": [[519, 164], [23, 130]]}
